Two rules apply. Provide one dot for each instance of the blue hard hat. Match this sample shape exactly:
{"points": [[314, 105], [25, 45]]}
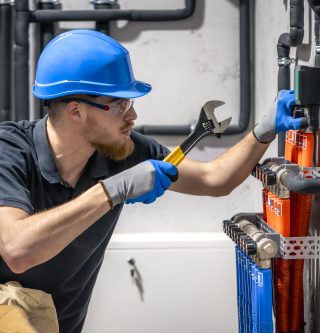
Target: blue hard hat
{"points": [[86, 62]]}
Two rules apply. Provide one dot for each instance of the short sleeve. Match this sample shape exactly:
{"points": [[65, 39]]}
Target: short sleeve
{"points": [[14, 174]]}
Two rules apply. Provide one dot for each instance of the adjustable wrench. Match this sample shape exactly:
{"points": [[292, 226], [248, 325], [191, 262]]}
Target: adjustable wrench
{"points": [[207, 125]]}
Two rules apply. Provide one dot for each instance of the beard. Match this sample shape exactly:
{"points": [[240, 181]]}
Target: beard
{"points": [[115, 152], [100, 141]]}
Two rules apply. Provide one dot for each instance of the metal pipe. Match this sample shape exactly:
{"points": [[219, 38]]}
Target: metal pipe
{"points": [[24, 17], [246, 73], [46, 33], [317, 39], [286, 40], [21, 57], [5, 59], [296, 183], [164, 129], [315, 6], [113, 14], [103, 27], [47, 29], [246, 85]]}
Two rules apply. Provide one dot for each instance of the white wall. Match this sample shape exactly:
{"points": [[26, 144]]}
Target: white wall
{"points": [[185, 285]]}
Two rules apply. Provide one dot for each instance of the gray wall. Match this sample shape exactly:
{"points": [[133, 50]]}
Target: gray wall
{"points": [[189, 62]]}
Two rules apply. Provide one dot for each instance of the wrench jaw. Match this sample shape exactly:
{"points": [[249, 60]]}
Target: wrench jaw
{"points": [[209, 121], [207, 125]]}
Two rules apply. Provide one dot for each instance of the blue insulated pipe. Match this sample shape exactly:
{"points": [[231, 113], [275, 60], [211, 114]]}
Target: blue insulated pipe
{"points": [[254, 295], [241, 293], [254, 300], [264, 296], [238, 270]]}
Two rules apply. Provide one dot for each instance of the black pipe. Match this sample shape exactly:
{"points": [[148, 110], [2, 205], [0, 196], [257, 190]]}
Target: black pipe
{"points": [[21, 57], [24, 17], [246, 85], [315, 6], [46, 33], [114, 14], [103, 27], [164, 129], [286, 40], [47, 29], [317, 39], [297, 184], [5, 59]]}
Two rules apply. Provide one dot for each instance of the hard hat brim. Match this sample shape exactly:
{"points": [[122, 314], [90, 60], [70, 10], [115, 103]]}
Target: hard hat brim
{"points": [[133, 90]]}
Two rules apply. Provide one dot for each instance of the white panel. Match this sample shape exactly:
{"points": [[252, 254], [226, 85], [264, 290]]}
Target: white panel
{"points": [[188, 281]]}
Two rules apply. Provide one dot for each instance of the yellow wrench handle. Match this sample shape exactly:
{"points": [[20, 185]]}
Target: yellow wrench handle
{"points": [[175, 157]]}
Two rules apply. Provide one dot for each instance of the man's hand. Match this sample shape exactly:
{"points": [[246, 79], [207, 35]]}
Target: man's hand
{"points": [[142, 183], [279, 119]]}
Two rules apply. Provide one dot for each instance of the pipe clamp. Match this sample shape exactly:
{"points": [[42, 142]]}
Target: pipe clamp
{"points": [[103, 2], [284, 61], [6, 2], [53, 2]]}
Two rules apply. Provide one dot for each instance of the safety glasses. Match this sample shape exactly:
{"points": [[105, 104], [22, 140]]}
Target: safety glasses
{"points": [[120, 105]]}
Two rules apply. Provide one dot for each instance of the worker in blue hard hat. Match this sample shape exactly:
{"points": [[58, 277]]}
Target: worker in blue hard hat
{"points": [[64, 178]]}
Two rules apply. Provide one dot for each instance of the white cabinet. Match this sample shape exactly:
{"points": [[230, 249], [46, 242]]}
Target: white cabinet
{"points": [[187, 284]]}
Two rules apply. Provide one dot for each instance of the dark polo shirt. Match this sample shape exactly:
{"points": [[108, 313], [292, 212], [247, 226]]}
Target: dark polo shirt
{"points": [[29, 180]]}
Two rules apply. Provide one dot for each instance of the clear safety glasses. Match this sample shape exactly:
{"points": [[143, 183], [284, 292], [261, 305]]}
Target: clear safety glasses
{"points": [[115, 107]]}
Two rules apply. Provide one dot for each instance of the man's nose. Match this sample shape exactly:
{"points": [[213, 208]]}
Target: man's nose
{"points": [[130, 114]]}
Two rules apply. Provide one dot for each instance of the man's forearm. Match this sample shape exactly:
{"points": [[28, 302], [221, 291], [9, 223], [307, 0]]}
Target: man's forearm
{"points": [[236, 164], [35, 239]]}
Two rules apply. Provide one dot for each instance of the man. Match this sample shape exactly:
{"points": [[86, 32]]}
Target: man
{"points": [[64, 178]]}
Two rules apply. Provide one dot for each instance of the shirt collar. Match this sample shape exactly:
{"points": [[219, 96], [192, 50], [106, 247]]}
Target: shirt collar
{"points": [[97, 166]]}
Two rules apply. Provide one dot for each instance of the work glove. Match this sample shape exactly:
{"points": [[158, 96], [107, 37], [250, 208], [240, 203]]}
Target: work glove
{"points": [[142, 183], [279, 119]]}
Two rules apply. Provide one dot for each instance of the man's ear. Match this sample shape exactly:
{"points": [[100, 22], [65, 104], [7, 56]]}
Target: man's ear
{"points": [[74, 111]]}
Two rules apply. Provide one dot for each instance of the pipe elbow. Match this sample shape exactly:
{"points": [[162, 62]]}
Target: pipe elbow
{"points": [[297, 184], [296, 36]]}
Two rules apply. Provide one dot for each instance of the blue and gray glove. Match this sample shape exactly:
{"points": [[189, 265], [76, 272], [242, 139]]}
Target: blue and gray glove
{"points": [[279, 119], [142, 183]]}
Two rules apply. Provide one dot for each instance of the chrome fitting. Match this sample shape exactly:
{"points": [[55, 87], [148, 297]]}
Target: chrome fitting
{"points": [[103, 2], [284, 61], [317, 48], [6, 2], [53, 2], [267, 248], [264, 263]]}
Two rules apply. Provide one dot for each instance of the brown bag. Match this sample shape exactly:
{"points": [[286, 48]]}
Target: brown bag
{"points": [[24, 310]]}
